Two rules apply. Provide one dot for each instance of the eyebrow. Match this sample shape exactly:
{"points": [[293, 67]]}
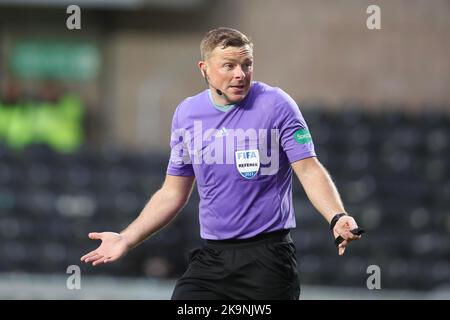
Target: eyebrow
{"points": [[235, 60]]}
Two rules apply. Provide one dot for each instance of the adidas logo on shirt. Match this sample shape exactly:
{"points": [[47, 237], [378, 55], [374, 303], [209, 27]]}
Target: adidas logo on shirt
{"points": [[222, 132]]}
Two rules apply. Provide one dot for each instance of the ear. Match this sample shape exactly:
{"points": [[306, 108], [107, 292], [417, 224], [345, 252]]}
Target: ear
{"points": [[202, 67]]}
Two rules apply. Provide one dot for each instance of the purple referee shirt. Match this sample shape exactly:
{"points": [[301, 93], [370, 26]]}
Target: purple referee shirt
{"points": [[241, 160]]}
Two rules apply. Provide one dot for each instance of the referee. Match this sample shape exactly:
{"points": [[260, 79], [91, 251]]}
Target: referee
{"points": [[240, 140]]}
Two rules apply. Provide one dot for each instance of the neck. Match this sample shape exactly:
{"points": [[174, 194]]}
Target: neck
{"points": [[219, 100]]}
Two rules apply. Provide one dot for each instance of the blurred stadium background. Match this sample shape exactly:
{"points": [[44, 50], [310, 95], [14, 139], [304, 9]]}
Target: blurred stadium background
{"points": [[85, 126]]}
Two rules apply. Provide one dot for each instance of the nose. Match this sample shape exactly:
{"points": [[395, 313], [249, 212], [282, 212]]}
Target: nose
{"points": [[239, 73]]}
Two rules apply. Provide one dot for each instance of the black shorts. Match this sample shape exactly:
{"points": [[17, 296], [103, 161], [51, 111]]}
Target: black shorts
{"points": [[259, 268]]}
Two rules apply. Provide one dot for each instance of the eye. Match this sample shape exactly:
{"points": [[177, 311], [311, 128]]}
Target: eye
{"points": [[247, 66], [228, 66]]}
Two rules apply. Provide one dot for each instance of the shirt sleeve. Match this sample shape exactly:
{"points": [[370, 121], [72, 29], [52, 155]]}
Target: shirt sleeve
{"points": [[180, 163], [295, 138]]}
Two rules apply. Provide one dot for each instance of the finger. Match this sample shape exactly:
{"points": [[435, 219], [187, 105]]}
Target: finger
{"points": [[341, 242], [342, 247], [344, 243], [343, 231], [99, 261], [95, 235], [93, 258], [344, 234], [353, 237], [88, 255], [108, 260], [349, 236]]}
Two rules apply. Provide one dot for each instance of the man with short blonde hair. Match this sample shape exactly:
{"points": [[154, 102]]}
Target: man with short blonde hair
{"points": [[244, 182]]}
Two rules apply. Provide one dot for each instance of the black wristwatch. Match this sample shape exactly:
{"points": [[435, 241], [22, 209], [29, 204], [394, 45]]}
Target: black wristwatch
{"points": [[335, 219]]}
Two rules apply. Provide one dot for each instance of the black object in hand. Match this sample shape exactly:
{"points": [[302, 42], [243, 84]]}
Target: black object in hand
{"points": [[357, 232]]}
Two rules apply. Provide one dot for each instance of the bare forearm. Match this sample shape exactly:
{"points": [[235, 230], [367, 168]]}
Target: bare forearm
{"points": [[158, 212], [322, 191]]}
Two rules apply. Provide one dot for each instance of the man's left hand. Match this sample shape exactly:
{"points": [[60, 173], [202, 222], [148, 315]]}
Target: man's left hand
{"points": [[343, 228]]}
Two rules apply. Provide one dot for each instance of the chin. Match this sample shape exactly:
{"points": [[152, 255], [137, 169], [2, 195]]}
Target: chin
{"points": [[237, 99]]}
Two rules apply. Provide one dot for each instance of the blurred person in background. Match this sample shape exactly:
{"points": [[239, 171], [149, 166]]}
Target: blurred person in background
{"points": [[245, 209]]}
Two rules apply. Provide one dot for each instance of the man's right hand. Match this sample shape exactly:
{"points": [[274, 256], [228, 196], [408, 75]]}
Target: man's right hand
{"points": [[113, 247]]}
